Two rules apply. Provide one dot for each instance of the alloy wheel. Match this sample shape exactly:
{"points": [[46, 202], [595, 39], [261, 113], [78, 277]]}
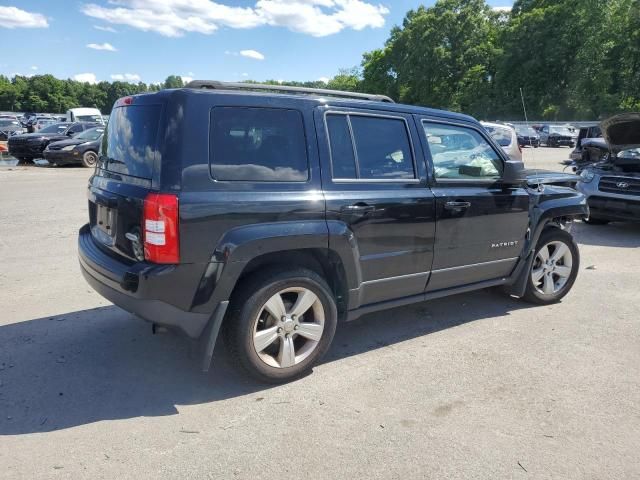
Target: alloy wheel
{"points": [[288, 327], [552, 268]]}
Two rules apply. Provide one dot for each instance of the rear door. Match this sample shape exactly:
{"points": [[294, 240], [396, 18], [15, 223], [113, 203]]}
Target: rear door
{"points": [[375, 186], [481, 223], [127, 169]]}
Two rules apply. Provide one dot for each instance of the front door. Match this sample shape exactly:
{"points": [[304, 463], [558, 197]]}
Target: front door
{"points": [[375, 186], [481, 223]]}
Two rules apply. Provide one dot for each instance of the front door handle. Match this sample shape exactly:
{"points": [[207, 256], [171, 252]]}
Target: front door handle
{"points": [[357, 211], [457, 206]]}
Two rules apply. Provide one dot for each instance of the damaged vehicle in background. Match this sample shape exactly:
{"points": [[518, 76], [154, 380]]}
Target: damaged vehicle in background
{"points": [[9, 127], [612, 184], [80, 150], [587, 137]]}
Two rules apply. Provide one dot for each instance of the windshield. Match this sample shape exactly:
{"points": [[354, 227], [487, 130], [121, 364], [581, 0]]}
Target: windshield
{"points": [[129, 142], [88, 118], [91, 134], [56, 128], [8, 123], [526, 131], [502, 135], [560, 130]]}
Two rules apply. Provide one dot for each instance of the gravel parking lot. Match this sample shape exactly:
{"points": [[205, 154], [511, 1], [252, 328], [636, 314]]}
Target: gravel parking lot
{"points": [[472, 386]]}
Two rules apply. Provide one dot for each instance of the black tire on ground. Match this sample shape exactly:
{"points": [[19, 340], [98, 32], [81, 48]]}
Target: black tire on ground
{"points": [[595, 221], [25, 160], [245, 316], [89, 159], [532, 293]]}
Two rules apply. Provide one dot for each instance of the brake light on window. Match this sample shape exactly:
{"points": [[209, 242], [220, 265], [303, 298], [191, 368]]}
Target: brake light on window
{"points": [[160, 226]]}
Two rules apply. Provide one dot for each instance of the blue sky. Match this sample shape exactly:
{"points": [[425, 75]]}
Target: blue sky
{"points": [[206, 39]]}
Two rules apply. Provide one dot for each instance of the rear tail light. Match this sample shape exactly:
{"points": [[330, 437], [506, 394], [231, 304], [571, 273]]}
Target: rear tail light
{"points": [[160, 226]]}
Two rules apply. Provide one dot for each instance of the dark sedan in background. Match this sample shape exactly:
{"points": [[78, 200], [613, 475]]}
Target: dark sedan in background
{"points": [[527, 136], [81, 149], [9, 127], [556, 136], [31, 145]]}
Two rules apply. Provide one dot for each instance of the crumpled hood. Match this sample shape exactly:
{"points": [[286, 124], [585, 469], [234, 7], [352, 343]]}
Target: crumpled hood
{"points": [[622, 132]]}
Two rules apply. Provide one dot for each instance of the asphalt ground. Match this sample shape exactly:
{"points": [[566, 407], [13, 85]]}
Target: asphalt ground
{"points": [[471, 386]]}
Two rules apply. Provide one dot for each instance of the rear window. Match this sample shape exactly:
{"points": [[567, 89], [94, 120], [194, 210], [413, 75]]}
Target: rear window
{"points": [[502, 135], [258, 145], [129, 145]]}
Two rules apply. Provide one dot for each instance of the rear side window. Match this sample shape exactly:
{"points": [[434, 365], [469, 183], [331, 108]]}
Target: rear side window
{"points": [[258, 145], [370, 147], [129, 145]]}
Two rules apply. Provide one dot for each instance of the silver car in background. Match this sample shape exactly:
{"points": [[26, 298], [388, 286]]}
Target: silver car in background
{"points": [[506, 137]]}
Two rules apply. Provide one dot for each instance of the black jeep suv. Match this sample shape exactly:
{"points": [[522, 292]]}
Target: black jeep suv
{"points": [[276, 213]]}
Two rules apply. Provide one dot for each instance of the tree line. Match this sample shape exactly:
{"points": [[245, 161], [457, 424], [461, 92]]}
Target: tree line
{"points": [[572, 59]]}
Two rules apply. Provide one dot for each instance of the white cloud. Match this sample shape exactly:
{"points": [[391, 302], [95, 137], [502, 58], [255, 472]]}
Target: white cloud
{"points": [[86, 78], [252, 54], [105, 29], [174, 18], [186, 79], [34, 67], [324, 79], [126, 77], [244, 74], [501, 9], [12, 17], [102, 46]]}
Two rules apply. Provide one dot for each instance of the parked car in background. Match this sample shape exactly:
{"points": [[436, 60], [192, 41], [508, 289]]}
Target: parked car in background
{"points": [[9, 127], [506, 137], [612, 184], [584, 135], [80, 149], [271, 217], [29, 146], [556, 136], [527, 136], [84, 115], [42, 122]]}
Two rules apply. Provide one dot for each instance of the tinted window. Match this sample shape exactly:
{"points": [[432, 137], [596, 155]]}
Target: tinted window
{"points": [[56, 128], [258, 145], [342, 157], [76, 128], [129, 142], [461, 153], [382, 147]]}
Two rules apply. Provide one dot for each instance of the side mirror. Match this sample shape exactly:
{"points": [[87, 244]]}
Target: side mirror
{"points": [[70, 133], [513, 173]]}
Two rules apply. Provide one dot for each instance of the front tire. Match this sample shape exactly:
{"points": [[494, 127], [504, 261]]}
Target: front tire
{"points": [[89, 159], [281, 324], [555, 267]]}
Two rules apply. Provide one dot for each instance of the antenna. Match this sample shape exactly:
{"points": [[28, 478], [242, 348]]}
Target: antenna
{"points": [[533, 155]]}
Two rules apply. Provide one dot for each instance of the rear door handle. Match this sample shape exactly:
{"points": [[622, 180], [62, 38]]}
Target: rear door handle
{"points": [[457, 206]]}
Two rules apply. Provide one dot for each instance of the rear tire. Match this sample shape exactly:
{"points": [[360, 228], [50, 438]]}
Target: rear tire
{"points": [[25, 160], [281, 323], [555, 267], [89, 159]]}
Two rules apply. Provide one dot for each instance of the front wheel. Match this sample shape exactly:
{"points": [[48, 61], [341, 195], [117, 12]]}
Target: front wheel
{"points": [[281, 324], [89, 159], [554, 269]]}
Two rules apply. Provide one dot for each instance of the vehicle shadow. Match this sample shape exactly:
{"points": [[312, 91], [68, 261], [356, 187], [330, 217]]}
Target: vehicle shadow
{"points": [[101, 364], [615, 234]]}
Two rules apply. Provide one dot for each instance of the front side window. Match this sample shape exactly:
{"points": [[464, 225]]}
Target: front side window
{"points": [[258, 145], [369, 147], [461, 153]]}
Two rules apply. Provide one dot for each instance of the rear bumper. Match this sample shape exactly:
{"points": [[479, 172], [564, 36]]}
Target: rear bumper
{"points": [[135, 287]]}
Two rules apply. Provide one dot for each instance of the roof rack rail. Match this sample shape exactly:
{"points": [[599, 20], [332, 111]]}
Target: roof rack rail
{"points": [[216, 85]]}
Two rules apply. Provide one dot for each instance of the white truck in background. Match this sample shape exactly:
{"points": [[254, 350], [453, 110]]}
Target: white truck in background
{"points": [[84, 115]]}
